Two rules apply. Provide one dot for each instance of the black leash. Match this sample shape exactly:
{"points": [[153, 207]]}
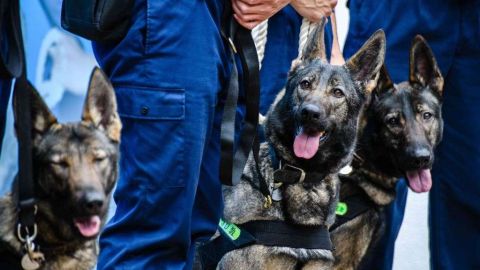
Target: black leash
{"points": [[13, 66], [241, 44]]}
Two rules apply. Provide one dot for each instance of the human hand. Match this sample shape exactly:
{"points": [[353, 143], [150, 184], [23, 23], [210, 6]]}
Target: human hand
{"points": [[250, 13], [314, 10]]}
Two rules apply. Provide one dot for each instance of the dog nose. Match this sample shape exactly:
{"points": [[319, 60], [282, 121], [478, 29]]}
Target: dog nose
{"points": [[92, 201], [420, 156], [310, 113]]}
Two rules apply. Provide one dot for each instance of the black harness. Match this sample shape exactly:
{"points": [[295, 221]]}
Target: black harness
{"points": [[267, 232], [264, 232], [276, 232]]}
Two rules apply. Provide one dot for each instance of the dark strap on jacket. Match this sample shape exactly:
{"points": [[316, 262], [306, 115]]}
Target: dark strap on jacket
{"points": [[242, 45], [11, 45]]}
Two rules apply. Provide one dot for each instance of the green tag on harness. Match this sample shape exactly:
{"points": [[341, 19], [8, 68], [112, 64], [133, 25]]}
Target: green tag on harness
{"points": [[230, 229], [342, 209]]}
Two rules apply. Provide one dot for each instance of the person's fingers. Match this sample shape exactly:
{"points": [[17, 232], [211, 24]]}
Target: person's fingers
{"points": [[247, 24], [252, 2], [327, 12], [243, 8], [251, 17], [333, 3]]}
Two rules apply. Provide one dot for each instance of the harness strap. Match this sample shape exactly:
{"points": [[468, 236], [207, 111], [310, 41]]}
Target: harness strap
{"points": [[263, 232], [350, 208], [283, 234]]}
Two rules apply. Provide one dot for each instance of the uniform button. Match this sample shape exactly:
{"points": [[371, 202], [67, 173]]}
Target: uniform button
{"points": [[144, 110]]}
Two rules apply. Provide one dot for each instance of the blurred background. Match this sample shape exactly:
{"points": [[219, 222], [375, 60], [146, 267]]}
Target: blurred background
{"points": [[59, 66]]}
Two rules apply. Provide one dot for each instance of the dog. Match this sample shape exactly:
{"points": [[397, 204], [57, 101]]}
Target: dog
{"points": [[403, 125], [312, 128], [74, 172]]}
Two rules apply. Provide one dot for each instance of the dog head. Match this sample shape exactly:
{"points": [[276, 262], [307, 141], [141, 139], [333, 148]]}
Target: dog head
{"points": [[316, 119], [75, 164], [408, 117]]}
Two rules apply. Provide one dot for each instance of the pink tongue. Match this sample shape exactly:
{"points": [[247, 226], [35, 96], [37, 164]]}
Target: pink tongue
{"points": [[89, 226], [306, 146], [420, 180]]}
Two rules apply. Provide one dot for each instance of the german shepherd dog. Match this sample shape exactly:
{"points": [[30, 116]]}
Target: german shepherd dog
{"points": [[312, 126], [403, 126], [75, 170]]}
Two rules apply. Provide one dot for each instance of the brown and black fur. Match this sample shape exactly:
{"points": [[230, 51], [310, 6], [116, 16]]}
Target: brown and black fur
{"points": [[338, 93], [75, 170], [401, 120]]}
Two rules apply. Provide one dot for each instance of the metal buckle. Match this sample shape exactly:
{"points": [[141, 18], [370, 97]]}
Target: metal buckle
{"points": [[302, 172], [28, 237]]}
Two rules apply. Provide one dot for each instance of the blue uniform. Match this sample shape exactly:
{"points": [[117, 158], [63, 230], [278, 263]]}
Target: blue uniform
{"points": [[452, 29], [167, 73], [5, 88], [280, 50]]}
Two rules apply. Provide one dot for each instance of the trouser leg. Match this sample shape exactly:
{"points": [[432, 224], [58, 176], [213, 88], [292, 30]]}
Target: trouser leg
{"points": [[454, 206]]}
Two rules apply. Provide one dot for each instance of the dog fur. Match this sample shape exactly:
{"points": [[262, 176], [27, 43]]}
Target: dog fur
{"points": [[71, 161], [339, 93], [401, 120]]}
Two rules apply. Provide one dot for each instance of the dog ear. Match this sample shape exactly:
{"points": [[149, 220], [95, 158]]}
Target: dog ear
{"points": [[366, 63], [41, 116], [384, 83], [100, 106], [315, 44], [423, 66]]}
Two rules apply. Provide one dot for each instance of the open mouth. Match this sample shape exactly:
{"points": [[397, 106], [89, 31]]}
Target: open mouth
{"points": [[88, 226], [419, 180], [306, 144]]}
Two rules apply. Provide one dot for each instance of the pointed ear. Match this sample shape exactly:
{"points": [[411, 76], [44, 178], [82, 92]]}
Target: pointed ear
{"points": [[41, 116], [384, 83], [315, 44], [423, 66], [366, 63], [100, 106]]}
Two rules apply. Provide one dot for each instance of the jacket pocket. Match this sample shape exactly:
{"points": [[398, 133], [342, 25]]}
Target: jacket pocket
{"points": [[153, 135]]}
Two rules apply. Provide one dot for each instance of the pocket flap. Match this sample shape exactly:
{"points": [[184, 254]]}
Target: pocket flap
{"points": [[151, 103]]}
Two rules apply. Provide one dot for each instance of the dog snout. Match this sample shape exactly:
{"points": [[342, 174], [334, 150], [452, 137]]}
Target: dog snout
{"points": [[92, 201], [420, 156], [310, 113]]}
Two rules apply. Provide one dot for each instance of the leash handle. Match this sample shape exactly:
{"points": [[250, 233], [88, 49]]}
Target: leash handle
{"points": [[241, 47]]}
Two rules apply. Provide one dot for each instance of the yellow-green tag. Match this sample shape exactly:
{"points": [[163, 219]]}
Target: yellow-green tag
{"points": [[230, 229], [342, 209]]}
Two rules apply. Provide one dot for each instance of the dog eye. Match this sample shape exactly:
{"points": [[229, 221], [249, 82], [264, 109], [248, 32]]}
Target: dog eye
{"points": [[338, 93], [393, 121], [100, 156], [60, 163], [305, 84], [427, 115]]}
